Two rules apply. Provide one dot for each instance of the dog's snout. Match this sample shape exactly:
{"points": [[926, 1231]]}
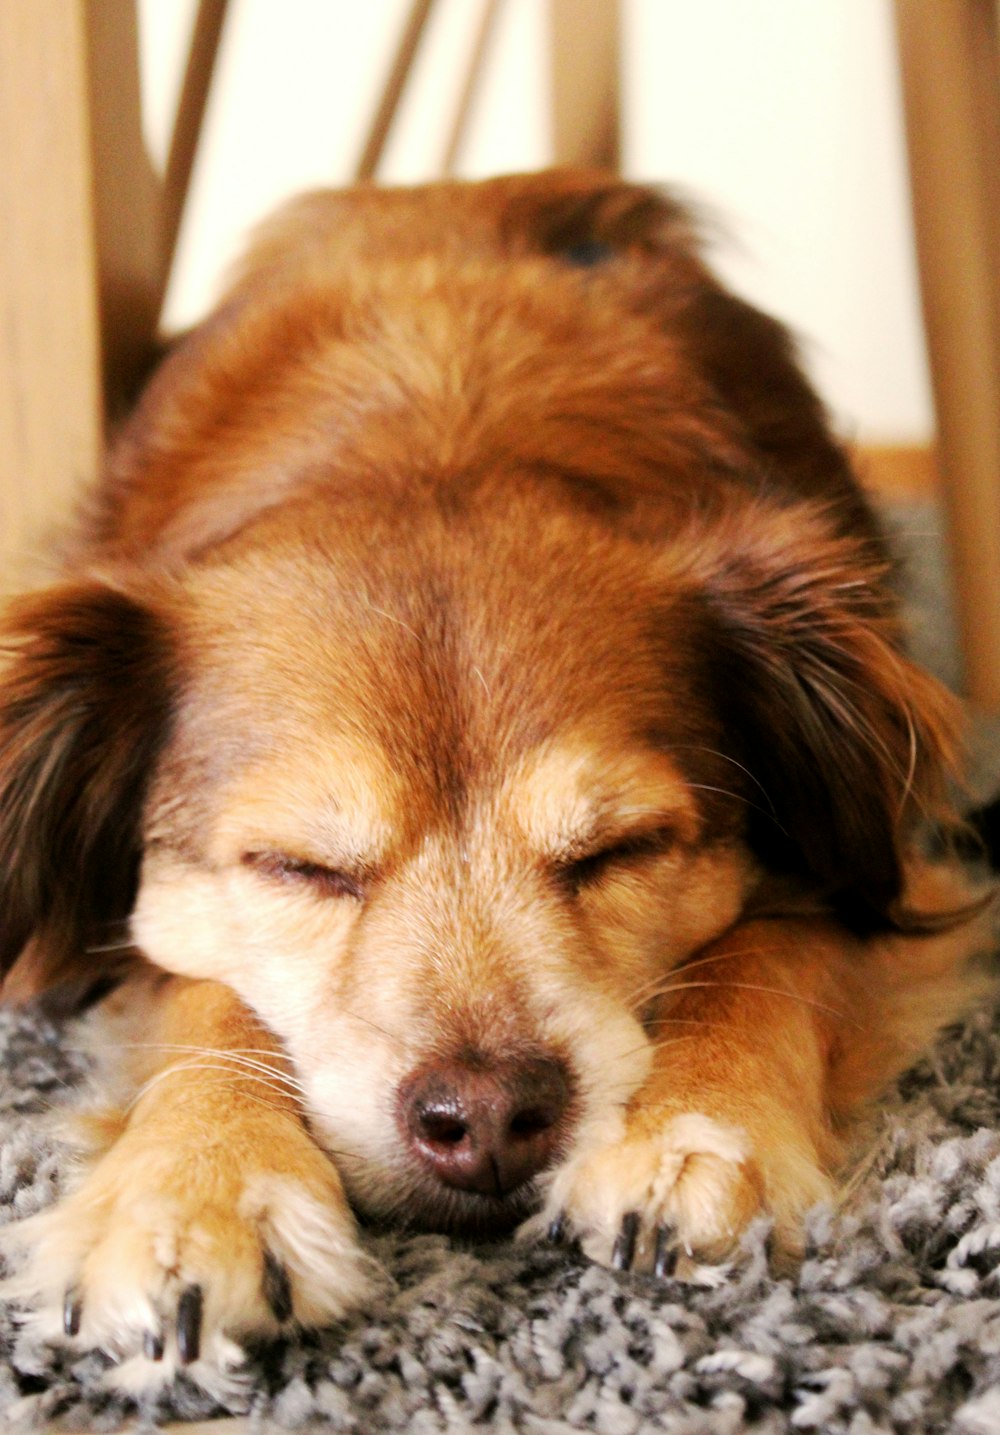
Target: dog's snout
{"points": [[485, 1125]]}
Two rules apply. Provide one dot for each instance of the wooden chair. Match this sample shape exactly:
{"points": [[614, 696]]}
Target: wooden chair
{"points": [[87, 232], [950, 67]]}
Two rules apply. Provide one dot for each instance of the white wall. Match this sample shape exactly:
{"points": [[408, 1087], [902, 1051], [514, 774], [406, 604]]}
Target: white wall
{"points": [[782, 116]]}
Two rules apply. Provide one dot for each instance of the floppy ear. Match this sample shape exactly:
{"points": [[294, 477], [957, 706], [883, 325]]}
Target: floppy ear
{"points": [[848, 744], [83, 711]]}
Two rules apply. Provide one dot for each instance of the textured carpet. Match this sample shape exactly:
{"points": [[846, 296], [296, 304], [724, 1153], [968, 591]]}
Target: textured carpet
{"points": [[892, 1324]]}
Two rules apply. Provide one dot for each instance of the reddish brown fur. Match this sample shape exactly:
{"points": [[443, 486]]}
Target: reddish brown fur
{"points": [[534, 610]]}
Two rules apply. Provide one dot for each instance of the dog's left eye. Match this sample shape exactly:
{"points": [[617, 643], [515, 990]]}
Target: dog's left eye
{"points": [[586, 253], [584, 871], [324, 881]]}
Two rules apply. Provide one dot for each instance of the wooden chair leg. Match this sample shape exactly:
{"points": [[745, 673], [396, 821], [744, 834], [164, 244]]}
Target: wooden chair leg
{"points": [[51, 387], [415, 27], [951, 87], [199, 71], [87, 231], [488, 16], [585, 62], [131, 254]]}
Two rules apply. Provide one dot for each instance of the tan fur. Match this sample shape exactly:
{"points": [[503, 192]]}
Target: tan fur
{"points": [[778, 1032], [476, 676], [208, 1168]]}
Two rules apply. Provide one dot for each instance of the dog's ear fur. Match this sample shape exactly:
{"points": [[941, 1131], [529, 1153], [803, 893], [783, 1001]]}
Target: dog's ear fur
{"points": [[84, 706], [848, 744], [749, 359]]}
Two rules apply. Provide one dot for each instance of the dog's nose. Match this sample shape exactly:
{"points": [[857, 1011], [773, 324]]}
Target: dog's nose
{"points": [[485, 1125]]}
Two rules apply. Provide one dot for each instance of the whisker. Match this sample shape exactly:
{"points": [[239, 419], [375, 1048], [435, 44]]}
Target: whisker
{"points": [[259, 1100], [754, 987], [168, 1071], [738, 797], [683, 1021], [723, 957], [366, 1021], [392, 618], [236, 1055], [652, 987], [655, 1045], [714, 752]]}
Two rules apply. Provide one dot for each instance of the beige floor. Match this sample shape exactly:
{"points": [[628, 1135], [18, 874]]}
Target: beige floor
{"points": [[211, 1427]]}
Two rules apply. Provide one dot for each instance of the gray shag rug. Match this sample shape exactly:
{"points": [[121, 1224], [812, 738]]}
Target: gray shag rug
{"points": [[892, 1323]]}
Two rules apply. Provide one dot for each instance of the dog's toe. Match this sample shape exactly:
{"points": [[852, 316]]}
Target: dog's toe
{"points": [[641, 1202], [166, 1262], [662, 1200]]}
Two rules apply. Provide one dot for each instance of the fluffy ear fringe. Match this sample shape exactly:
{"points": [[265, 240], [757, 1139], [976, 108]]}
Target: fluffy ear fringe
{"points": [[84, 703], [854, 746]]}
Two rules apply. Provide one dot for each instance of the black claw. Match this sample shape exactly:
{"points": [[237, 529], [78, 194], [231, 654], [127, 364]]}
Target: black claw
{"points": [[557, 1229], [665, 1253], [277, 1287], [72, 1313], [624, 1252], [189, 1313], [152, 1345]]}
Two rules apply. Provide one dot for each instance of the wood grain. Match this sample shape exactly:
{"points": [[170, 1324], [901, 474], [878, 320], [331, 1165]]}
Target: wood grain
{"points": [[950, 68], [51, 427]]}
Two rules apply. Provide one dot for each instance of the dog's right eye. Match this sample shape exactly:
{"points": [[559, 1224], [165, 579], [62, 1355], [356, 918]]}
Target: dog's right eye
{"points": [[322, 881]]}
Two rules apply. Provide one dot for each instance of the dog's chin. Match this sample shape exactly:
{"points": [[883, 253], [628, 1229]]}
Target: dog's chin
{"points": [[466, 1214]]}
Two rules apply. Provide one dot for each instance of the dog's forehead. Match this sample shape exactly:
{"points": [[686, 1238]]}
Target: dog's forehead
{"points": [[442, 663]]}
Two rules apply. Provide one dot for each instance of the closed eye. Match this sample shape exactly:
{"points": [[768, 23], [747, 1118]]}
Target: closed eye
{"points": [[323, 881], [585, 871]]}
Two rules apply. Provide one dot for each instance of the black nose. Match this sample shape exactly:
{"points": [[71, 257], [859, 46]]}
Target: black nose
{"points": [[482, 1124]]}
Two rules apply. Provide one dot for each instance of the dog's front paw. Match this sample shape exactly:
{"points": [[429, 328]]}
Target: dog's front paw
{"points": [[173, 1256], [685, 1191]]}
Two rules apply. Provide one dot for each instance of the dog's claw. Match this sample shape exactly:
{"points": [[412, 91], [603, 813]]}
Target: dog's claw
{"points": [[665, 1252], [557, 1229], [189, 1313], [152, 1345], [624, 1251], [277, 1288], [72, 1312]]}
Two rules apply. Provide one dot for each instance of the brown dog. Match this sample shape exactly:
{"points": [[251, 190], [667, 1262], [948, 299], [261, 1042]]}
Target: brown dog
{"points": [[477, 698]]}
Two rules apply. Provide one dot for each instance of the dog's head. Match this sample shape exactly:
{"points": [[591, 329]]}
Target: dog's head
{"points": [[486, 616]]}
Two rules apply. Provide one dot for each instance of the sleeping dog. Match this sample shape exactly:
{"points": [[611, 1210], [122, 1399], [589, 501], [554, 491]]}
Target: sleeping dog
{"points": [[472, 738]]}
